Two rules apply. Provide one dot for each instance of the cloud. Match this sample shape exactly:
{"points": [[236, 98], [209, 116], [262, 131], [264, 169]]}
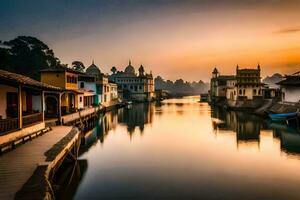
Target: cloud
{"points": [[289, 30]]}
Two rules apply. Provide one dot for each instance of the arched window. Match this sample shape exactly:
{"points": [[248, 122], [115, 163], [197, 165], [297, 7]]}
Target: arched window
{"points": [[240, 91], [254, 91]]}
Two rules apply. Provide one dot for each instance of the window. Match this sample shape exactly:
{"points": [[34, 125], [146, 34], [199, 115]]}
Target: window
{"points": [[80, 99], [82, 85], [240, 92], [254, 91]]}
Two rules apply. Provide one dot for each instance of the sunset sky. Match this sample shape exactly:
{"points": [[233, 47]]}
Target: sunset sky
{"points": [[173, 38]]}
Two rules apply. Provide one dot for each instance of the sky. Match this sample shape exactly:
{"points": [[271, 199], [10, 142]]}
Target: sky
{"points": [[172, 38]]}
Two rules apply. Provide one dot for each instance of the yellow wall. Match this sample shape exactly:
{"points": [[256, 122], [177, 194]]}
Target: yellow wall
{"points": [[24, 101], [57, 79], [71, 85]]}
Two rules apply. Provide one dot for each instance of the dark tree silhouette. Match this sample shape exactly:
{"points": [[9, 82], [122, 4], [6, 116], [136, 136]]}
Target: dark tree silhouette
{"points": [[113, 70], [78, 66], [26, 55]]}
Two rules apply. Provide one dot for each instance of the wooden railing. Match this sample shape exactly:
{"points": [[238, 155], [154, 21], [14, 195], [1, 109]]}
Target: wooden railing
{"points": [[31, 119], [7, 125]]}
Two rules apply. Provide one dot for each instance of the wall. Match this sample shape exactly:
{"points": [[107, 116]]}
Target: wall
{"points": [[3, 90], [71, 86], [54, 78], [291, 94]]}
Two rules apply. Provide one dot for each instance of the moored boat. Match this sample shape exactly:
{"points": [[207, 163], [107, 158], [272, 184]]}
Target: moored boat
{"points": [[282, 116]]}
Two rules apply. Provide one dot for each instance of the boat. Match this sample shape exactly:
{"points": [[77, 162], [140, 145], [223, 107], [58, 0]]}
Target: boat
{"points": [[283, 116], [204, 97]]}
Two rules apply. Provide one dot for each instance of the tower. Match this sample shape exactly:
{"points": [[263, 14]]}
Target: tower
{"points": [[215, 73]]}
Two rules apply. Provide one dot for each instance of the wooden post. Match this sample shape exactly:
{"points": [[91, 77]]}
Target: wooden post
{"points": [[20, 120], [42, 105], [59, 107]]}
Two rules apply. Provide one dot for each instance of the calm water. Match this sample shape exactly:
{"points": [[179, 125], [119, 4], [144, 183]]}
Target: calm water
{"points": [[182, 149]]}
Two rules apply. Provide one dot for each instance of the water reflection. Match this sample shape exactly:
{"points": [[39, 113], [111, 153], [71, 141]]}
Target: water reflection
{"points": [[137, 116], [248, 128], [187, 150]]}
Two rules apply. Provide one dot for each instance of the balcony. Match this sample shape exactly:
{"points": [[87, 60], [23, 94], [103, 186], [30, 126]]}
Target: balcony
{"points": [[8, 125], [11, 124]]}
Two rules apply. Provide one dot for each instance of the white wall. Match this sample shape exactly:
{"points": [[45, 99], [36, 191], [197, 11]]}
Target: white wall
{"points": [[3, 90], [291, 94]]}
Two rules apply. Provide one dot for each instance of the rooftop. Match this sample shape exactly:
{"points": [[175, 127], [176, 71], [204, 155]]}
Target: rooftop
{"points": [[20, 79]]}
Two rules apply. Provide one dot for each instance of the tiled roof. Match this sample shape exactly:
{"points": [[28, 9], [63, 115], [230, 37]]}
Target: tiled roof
{"points": [[290, 80], [18, 78]]}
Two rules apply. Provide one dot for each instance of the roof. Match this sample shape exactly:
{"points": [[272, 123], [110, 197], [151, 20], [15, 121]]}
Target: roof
{"points": [[20, 79], [129, 69], [226, 77], [290, 80], [61, 69], [93, 69]]}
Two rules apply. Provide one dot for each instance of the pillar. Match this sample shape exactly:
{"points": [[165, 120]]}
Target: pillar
{"points": [[43, 105], [20, 119], [59, 107]]}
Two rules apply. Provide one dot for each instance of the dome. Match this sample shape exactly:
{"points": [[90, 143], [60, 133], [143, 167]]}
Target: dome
{"points": [[93, 70], [129, 69]]}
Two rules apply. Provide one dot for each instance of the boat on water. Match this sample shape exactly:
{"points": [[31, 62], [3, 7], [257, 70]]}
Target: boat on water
{"points": [[283, 116]]}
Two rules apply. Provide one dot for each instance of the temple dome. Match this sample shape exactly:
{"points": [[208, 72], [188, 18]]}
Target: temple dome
{"points": [[93, 69], [129, 69]]}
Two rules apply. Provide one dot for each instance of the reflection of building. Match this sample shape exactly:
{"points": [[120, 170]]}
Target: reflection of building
{"points": [[138, 116], [291, 88], [247, 127], [132, 86]]}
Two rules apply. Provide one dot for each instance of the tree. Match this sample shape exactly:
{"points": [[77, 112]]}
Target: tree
{"points": [[26, 55], [113, 70], [78, 66]]}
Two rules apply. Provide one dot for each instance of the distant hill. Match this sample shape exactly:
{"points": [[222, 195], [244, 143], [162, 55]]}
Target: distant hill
{"points": [[181, 87], [272, 80], [26, 55]]}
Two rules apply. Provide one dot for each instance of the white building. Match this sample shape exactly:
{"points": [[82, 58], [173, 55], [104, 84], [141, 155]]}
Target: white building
{"points": [[290, 87], [132, 86]]}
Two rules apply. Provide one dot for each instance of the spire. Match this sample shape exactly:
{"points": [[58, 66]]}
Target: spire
{"points": [[129, 62], [93, 61], [258, 66]]}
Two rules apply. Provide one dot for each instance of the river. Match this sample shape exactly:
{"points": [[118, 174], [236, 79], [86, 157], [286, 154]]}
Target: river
{"points": [[183, 149]]}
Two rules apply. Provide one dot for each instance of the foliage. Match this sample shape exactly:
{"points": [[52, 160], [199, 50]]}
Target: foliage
{"points": [[26, 55], [78, 66], [181, 87]]}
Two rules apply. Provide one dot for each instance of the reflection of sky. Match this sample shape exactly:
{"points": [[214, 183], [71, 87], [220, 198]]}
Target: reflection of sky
{"points": [[174, 38], [179, 155]]}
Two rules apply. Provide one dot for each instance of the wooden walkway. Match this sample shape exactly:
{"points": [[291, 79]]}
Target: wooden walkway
{"points": [[17, 166]]}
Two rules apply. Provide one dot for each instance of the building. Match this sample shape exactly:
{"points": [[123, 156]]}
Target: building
{"points": [[87, 85], [132, 86], [248, 84], [219, 85], [22, 104], [67, 79], [231, 89], [106, 91], [290, 88]]}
